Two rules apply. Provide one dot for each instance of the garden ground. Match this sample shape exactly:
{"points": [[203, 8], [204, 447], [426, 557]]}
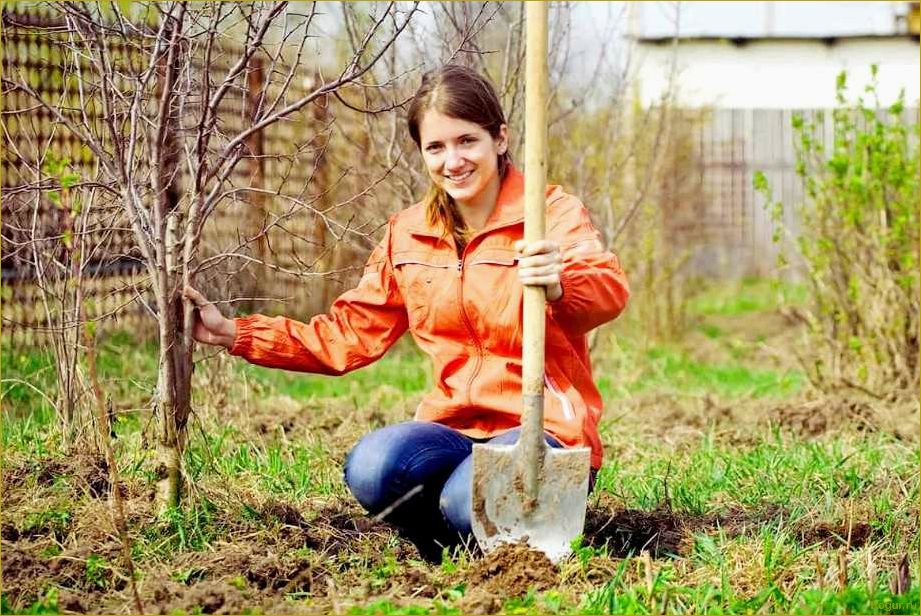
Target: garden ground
{"points": [[748, 491]]}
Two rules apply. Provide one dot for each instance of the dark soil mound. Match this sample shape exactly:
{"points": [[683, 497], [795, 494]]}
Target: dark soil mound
{"points": [[837, 534], [509, 571]]}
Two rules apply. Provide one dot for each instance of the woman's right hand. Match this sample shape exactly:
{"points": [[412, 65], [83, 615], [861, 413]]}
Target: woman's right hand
{"points": [[211, 327]]}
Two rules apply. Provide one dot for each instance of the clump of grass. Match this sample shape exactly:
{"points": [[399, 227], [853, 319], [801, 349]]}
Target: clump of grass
{"points": [[667, 369]]}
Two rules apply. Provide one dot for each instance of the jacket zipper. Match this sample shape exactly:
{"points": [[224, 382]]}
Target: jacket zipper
{"points": [[470, 330], [466, 319]]}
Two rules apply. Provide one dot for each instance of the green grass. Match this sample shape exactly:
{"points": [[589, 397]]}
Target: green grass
{"points": [[776, 469], [788, 480], [664, 368], [404, 368], [293, 470], [618, 598], [749, 295]]}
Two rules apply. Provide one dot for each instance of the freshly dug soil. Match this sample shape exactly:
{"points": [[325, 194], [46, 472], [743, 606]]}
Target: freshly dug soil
{"points": [[508, 571]]}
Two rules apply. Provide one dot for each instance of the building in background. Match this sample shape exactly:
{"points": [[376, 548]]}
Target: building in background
{"points": [[753, 65], [778, 55]]}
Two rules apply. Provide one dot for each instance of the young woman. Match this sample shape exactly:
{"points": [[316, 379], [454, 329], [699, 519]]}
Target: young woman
{"points": [[450, 270]]}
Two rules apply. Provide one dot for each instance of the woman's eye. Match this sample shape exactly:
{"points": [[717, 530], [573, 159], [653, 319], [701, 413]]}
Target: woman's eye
{"points": [[433, 148], [468, 140]]}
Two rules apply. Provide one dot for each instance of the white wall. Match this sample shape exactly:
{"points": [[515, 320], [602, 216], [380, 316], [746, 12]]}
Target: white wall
{"points": [[779, 74]]}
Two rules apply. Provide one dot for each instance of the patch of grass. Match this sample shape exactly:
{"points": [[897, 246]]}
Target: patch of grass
{"points": [[385, 606], [46, 604], [666, 369], [747, 296], [192, 527], [801, 475], [294, 470], [20, 366], [98, 571], [404, 368], [856, 600], [51, 520]]}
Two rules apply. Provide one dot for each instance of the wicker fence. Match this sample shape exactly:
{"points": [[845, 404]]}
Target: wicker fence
{"points": [[285, 159]]}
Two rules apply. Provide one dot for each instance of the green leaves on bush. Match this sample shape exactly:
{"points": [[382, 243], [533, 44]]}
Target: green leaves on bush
{"points": [[858, 239]]}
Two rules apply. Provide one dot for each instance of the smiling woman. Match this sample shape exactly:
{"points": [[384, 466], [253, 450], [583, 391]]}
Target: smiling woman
{"points": [[451, 270], [458, 124]]}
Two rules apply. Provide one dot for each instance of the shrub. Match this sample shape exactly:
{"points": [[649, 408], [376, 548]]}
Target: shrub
{"points": [[859, 244]]}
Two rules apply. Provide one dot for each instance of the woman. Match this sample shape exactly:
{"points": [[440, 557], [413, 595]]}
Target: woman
{"points": [[446, 271]]}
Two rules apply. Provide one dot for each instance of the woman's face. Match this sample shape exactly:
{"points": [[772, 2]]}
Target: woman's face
{"points": [[461, 156]]}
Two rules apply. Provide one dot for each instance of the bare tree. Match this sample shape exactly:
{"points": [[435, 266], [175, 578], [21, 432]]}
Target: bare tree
{"points": [[60, 222], [162, 80]]}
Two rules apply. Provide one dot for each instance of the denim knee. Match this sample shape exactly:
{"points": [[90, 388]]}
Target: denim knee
{"points": [[388, 462], [456, 499], [369, 468]]}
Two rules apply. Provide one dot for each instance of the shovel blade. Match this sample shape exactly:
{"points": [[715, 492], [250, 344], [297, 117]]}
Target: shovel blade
{"points": [[503, 512]]}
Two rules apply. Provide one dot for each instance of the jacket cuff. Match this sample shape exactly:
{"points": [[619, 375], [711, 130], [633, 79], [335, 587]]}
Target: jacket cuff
{"points": [[244, 340], [557, 306]]}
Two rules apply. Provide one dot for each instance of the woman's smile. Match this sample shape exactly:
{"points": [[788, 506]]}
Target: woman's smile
{"points": [[460, 178]]}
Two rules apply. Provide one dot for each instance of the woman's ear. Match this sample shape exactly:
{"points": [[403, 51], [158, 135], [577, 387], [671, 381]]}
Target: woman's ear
{"points": [[502, 139]]}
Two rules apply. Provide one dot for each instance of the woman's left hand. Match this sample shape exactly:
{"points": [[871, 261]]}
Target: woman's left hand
{"points": [[540, 264]]}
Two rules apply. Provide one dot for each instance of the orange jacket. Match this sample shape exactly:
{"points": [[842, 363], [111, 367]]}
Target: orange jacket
{"points": [[465, 313]]}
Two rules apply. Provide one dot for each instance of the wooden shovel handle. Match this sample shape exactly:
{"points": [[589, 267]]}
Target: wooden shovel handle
{"points": [[532, 419]]}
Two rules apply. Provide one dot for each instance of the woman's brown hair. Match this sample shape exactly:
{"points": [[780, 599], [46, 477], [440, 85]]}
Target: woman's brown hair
{"points": [[462, 93]]}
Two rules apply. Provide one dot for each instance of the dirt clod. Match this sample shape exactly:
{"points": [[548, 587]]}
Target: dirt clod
{"points": [[629, 532], [22, 573], [511, 570], [817, 417], [663, 532], [204, 597], [837, 534]]}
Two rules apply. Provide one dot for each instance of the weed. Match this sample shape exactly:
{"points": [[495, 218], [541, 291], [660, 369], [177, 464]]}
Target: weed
{"points": [[189, 575], [238, 582], [47, 604], [55, 522], [98, 571]]}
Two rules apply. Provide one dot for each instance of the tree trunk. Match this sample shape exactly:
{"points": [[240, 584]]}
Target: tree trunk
{"points": [[174, 389]]}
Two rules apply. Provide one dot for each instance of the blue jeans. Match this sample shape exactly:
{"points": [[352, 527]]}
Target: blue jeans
{"points": [[430, 463]]}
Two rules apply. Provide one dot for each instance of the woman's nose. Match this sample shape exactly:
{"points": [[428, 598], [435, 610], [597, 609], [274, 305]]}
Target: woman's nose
{"points": [[453, 159]]}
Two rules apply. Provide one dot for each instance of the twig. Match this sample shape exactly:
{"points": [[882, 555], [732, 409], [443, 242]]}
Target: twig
{"points": [[103, 424], [383, 514]]}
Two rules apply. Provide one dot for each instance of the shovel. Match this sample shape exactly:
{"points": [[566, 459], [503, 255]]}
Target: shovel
{"points": [[530, 492]]}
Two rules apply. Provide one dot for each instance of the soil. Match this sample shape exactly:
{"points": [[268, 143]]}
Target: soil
{"points": [[662, 532], [350, 559], [854, 536], [165, 597], [511, 570], [676, 419]]}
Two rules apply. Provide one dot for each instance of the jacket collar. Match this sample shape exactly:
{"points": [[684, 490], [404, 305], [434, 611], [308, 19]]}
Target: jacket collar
{"points": [[510, 202]]}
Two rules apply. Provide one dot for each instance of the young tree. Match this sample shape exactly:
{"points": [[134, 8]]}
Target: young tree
{"points": [[158, 82]]}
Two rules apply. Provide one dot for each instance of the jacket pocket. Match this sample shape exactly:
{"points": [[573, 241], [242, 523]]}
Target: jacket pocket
{"points": [[493, 256], [421, 279]]}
